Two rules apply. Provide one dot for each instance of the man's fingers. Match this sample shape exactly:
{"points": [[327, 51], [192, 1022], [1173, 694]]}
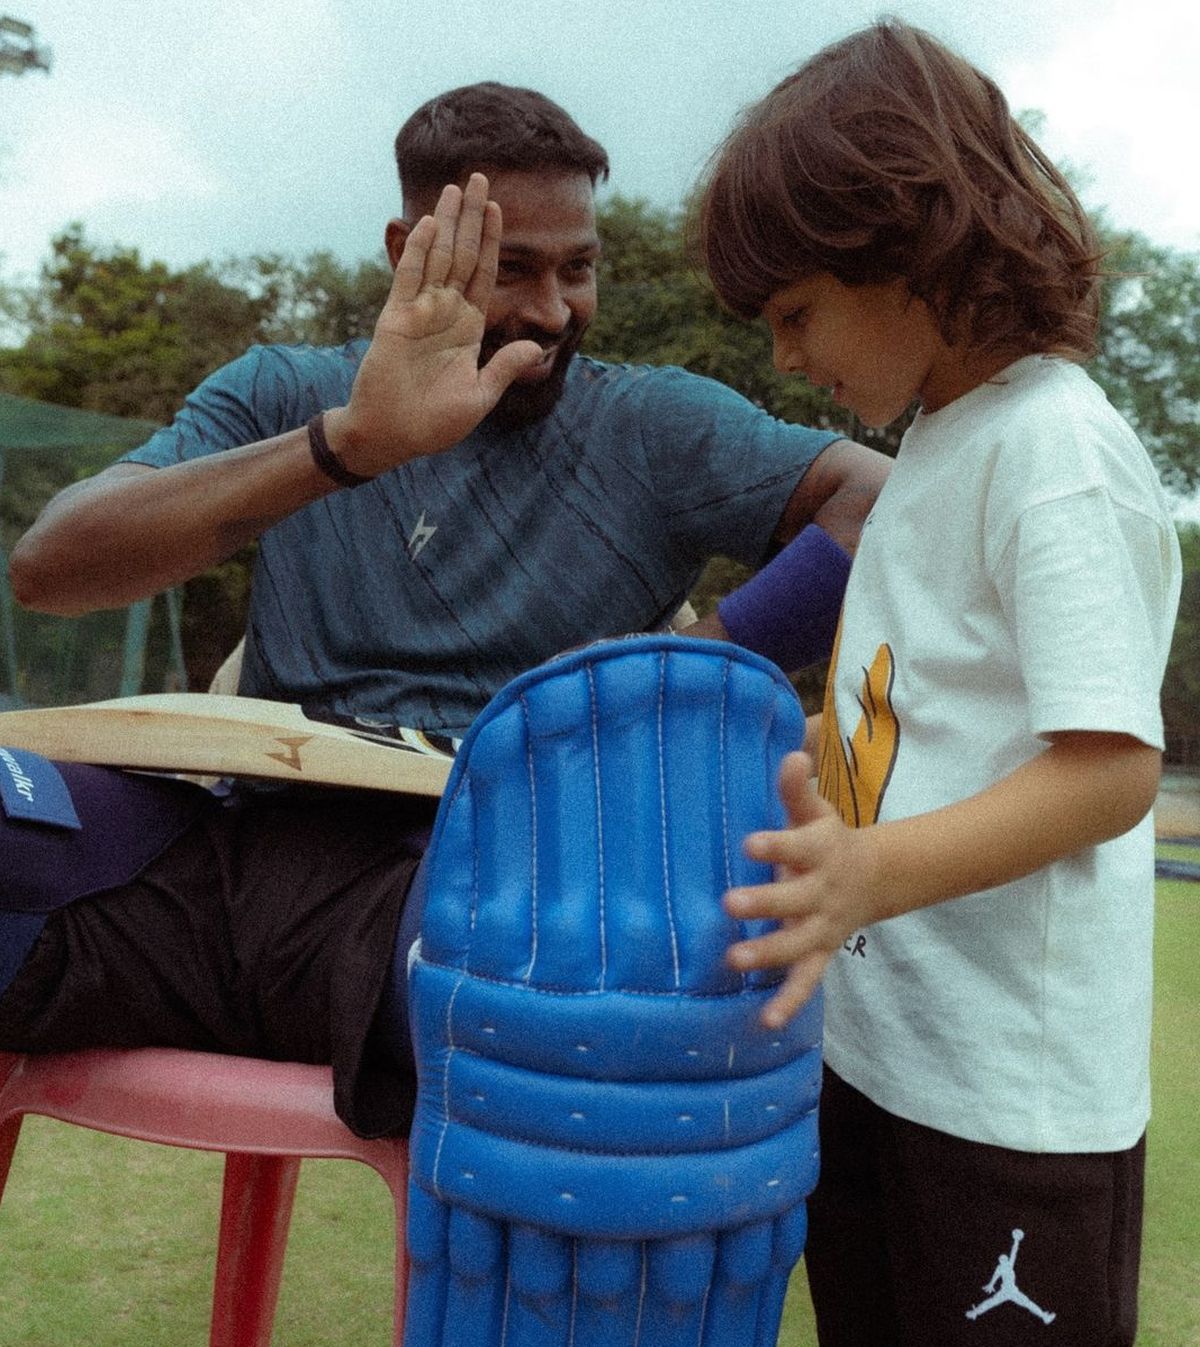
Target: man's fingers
{"points": [[445, 249], [483, 281], [440, 257], [468, 233], [506, 364], [410, 270]]}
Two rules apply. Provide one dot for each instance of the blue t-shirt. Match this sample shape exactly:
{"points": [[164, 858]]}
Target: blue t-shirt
{"points": [[417, 597]]}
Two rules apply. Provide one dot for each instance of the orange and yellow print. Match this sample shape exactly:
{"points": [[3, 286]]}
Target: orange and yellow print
{"points": [[852, 774]]}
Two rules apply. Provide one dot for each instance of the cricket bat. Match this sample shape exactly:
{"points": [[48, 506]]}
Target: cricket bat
{"points": [[202, 733]]}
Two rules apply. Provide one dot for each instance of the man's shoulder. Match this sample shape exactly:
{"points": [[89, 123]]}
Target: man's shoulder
{"points": [[281, 365], [304, 356], [598, 379], [592, 369]]}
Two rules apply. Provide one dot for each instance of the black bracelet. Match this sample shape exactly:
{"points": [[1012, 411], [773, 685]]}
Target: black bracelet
{"points": [[326, 459]]}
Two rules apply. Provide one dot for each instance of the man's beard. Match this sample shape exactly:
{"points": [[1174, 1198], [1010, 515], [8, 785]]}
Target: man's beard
{"points": [[521, 404]]}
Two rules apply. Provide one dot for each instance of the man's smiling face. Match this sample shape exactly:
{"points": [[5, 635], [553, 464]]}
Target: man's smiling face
{"points": [[545, 285]]}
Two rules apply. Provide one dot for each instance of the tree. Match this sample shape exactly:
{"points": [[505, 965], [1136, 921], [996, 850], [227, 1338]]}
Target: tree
{"points": [[1181, 686], [320, 300], [112, 333], [1149, 358]]}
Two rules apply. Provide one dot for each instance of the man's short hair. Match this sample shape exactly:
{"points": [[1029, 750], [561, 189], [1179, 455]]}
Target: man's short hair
{"points": [[491, 127]]}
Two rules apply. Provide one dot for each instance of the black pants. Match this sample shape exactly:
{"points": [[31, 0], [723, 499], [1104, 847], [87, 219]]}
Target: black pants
{"points": [[920, 1239], [265, 930]]}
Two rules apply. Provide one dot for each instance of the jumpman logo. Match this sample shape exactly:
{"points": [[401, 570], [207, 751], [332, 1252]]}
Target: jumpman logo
{"points": [[421, 534], [1003, 1287]]}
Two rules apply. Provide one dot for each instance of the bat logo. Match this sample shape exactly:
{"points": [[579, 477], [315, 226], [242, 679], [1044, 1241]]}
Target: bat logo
{"points": [[292, 757]]}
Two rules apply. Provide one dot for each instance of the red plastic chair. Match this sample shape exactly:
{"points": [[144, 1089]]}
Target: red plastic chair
{"points": [[265, 1116]]}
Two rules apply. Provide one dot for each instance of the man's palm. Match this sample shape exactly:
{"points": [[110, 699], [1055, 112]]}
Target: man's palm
{"points": [[420, 388]]}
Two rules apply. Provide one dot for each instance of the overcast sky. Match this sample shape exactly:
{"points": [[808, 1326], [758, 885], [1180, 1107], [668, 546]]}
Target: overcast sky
{"points": [[225, 127]]}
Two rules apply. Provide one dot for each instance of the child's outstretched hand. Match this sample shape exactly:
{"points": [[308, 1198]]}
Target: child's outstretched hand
{"points": [[824, 889]]}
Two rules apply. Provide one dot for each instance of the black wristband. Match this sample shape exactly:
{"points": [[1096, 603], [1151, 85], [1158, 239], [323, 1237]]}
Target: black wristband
{"points": [[326, 459]]}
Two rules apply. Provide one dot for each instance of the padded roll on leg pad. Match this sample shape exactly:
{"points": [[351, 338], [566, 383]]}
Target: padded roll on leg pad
{"points": [[608, 1146]]}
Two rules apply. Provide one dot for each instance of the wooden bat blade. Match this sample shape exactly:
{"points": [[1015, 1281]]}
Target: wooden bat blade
{"points": [[199, 732]]}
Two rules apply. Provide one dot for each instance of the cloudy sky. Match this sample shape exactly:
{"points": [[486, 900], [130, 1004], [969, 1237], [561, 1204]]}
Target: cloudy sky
{"points": [[224, 127]]}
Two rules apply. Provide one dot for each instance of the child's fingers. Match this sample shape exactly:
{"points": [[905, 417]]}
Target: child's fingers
{"points": [[798, 790], [795, 991], [768, 902], [776, 949], [804, 847]]}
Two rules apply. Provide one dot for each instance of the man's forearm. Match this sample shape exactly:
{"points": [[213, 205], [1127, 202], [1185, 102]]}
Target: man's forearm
{"points": [[837, 492], [131, 531]]}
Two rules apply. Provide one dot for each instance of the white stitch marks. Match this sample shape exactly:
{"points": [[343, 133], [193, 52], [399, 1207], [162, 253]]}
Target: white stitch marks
{"points": [[533, 846], [599, 823], [662, 814]]}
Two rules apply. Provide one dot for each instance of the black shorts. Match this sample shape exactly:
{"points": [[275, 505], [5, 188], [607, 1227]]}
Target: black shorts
{"points": [[920, 1239], [266, 930]]}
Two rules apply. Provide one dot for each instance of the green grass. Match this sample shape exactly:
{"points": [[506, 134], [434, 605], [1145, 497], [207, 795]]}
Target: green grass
{"points": [[1171, 1253], [109, 1243], [1177, 851]]}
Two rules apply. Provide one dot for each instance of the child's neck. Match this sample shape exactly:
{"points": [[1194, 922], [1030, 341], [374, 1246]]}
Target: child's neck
{"points": [[960, 371]]}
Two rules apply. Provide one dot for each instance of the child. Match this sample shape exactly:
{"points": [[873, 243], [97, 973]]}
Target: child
{"points": [[976, 884]]}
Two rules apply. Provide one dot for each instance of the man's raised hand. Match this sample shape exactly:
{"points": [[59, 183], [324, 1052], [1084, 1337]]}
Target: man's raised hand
{"points": [[420, 389]]}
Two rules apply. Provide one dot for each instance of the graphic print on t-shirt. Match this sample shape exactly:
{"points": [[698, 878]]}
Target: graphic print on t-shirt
{"points": [[421, 534], [853, 774]]}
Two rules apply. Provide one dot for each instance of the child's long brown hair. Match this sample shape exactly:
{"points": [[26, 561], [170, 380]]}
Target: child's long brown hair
{"points": [[889, 156]]}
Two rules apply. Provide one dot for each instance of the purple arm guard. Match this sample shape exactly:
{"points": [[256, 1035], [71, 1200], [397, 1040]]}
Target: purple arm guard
{"points": [[789, 610]]}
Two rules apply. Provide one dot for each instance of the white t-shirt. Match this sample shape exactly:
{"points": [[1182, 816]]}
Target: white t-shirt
{"points": [[1019, 575]]}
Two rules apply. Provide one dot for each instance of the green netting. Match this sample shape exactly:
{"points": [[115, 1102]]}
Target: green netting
{"points": [[56, 661], [42, 427]]}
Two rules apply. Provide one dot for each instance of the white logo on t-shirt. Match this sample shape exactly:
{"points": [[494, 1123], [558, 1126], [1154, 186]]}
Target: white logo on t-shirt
{"points": [[420, 536], [1003, 1287]]}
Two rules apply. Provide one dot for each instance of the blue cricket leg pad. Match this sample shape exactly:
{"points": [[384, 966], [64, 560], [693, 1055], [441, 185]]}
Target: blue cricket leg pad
{"points": [[608, 1145], [540, 1277]]}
